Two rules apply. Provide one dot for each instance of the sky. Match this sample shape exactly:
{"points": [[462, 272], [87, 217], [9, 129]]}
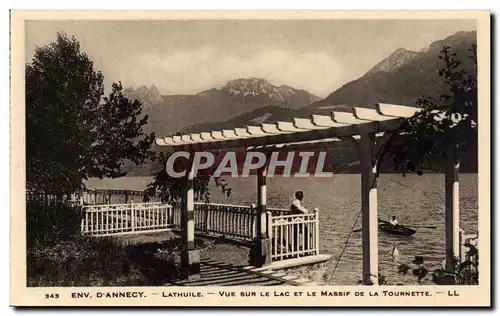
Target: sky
{"points": [[189, 56]]}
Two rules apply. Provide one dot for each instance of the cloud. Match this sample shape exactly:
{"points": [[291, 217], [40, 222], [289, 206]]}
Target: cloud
{"points": [[192, 71]]}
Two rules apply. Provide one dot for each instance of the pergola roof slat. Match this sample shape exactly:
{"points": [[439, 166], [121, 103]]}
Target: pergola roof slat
{"points": [[346, 118], [288, 127], [324, 121], [396, 110], [160, 142], [369, 114], [305, 124], [217, 135], [229, 133], [256, 130], [241, 132], [196, 138], [206, 136], [177, 139], [270, 128], [283, 134]]}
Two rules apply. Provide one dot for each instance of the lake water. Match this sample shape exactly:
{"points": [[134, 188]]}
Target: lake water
{"points": [[413, 199]]}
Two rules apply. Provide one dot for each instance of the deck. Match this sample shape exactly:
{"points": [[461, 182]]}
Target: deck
{"points": [[214, 273], [290, 240]]}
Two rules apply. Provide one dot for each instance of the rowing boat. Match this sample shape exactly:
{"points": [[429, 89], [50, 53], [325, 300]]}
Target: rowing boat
{"points": [[396, 230]]}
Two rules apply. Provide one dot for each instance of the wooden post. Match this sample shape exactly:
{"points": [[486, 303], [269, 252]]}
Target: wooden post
{"points": [[452, 211], [461, 241], [262, 243], [190, 259], [132, 215], [369, 210], [316, 232], [261, 206]]}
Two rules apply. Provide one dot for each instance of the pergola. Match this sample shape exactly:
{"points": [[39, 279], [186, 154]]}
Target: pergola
{"points": [[365, 128]]}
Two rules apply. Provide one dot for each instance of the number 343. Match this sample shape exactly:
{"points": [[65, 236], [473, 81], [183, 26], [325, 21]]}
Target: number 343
{"points": [[51, 295]]}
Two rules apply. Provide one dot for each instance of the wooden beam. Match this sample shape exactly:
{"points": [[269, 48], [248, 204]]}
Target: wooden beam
{"points": [[369, 210], [452, 212]]}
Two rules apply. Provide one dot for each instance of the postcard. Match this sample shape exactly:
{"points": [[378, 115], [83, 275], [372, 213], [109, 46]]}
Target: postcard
{"points": [[250, 158]]}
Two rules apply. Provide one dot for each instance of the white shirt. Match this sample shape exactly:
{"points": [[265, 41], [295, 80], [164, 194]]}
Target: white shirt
{"points": [[297, 207], [394, 222]]}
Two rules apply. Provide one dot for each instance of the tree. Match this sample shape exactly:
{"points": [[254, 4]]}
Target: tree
{"points": [[72, 131], [169, 189], [444, 127]]}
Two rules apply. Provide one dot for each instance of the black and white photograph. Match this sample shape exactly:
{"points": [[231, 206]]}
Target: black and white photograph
{"points": [[230, 152]]}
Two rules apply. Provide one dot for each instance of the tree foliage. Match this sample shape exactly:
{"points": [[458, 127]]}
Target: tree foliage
{"points": [[445, 126], [72, 131], [169, 188]]}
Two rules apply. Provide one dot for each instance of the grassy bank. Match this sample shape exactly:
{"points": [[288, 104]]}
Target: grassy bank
{"points": [[143, 260], [57, 254]]}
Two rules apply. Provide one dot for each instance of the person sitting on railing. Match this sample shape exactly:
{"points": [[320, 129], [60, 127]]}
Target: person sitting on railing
{"points": [[297, 209]]}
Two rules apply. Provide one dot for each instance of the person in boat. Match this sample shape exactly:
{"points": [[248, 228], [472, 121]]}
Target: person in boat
{"points": [[394, 222], [298, 209]]}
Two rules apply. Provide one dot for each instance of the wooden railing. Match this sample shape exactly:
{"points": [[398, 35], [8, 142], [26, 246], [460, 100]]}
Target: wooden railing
{"points": [[119, 219], [92, 197], [111, 196], [465, 241], [233, 221], [293, 235]]}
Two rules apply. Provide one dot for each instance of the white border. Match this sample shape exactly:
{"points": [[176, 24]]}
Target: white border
{"points": [[198, 5]]}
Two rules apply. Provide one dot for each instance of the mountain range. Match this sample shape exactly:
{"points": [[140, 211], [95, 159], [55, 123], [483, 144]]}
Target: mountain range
{"points": [[401, 78], [171, 113]]}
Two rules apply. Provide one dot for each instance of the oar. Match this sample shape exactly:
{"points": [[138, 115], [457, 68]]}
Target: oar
{"points": [[427, 227], [416, 226], [382, 221]]}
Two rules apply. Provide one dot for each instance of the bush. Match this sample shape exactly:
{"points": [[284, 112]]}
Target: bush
{"points": [[465, 273], [100, 262], [49, 223]]}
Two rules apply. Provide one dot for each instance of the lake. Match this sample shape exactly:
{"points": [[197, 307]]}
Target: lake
{"points": [[413, 199]]}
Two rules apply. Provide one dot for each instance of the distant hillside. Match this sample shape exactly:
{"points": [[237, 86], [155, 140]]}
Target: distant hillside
{"points": [[401, 78], [172, 113], [267, 114]]}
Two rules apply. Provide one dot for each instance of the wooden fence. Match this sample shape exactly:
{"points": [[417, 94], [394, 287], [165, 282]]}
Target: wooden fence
{"points": [[119, 219]]}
